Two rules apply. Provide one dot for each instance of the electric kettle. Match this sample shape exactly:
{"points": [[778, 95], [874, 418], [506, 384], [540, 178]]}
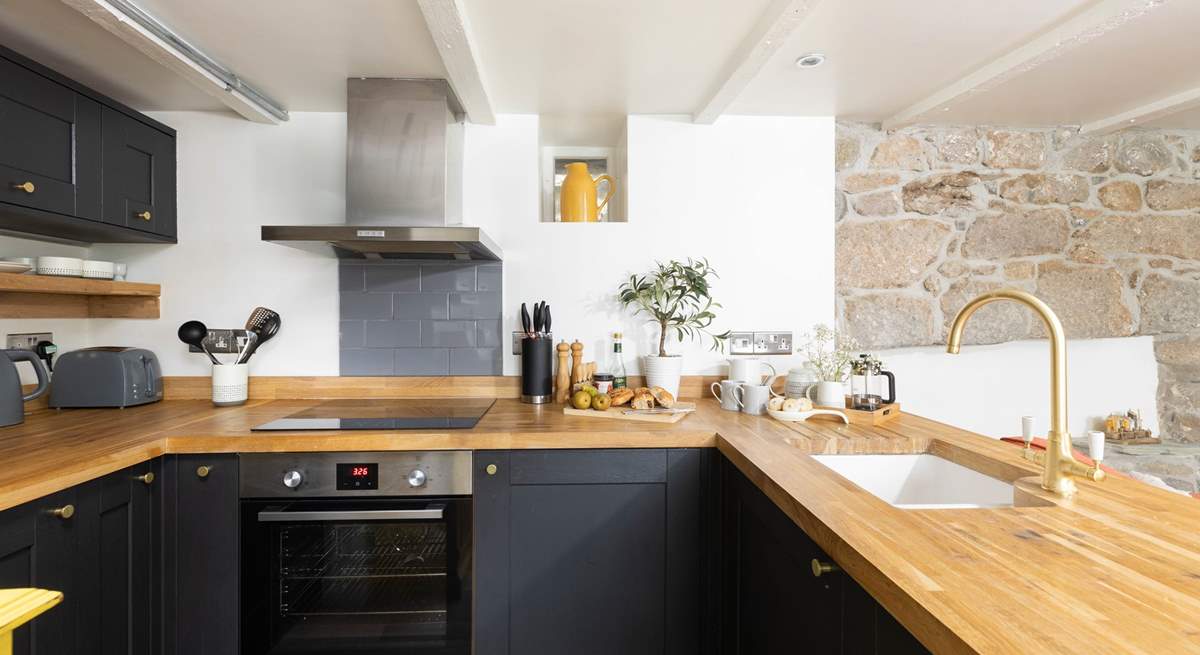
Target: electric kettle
{"points": [[12, 401]]}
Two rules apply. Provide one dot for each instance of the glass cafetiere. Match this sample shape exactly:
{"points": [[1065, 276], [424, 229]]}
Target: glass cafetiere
{"points": [[866, 376]]}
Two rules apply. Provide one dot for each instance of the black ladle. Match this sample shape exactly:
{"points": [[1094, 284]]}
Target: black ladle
{"points": [[193, 333]]}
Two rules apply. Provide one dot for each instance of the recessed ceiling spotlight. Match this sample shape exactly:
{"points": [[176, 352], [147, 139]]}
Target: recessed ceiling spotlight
{"points": [[811, 60]]}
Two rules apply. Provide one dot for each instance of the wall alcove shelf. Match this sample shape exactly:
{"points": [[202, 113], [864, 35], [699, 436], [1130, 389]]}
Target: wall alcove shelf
{"points": [[42, 296]]}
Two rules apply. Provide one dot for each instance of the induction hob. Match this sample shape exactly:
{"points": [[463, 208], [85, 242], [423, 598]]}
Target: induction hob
{"points": [[385, 414]]}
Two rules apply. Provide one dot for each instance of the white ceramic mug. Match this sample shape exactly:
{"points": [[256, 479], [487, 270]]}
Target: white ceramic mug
{"points": [[750, 370], [829, 394], [727, 395], [753, 398]]}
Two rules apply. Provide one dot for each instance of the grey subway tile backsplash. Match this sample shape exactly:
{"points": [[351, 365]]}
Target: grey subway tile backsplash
{"points": [[420, 318], [365, 306], [393, 278], [447, 277], [422, 361], [474, 361], [487, 277], [415, 306], [350, 334], [452, 334], [392, 334], [488, 334], [474, 305], [366, 361]]}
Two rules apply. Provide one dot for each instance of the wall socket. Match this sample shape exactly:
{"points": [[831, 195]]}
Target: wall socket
{"points": [[27, 340], [760, 343], [222, 341]]}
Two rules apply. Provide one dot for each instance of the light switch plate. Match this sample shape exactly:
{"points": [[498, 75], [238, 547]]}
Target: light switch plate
{"points": [[223, 341], [760, 343], [27, 340]]}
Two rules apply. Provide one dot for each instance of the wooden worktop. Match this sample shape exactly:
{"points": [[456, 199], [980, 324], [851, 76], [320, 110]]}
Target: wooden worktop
{"points": [[1115, 571]]}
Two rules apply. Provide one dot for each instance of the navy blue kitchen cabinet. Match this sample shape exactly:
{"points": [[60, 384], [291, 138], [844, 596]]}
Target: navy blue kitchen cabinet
{"points": [[592, 551], [772, 601], [98, 543], [200, 533], [77, 165]]}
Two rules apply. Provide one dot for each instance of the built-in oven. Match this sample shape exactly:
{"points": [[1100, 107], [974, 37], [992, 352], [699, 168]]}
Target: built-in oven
{"points": [[364, 553]]}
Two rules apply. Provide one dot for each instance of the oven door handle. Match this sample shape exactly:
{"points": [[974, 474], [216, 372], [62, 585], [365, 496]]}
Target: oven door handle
{"points": [[434, 512]]}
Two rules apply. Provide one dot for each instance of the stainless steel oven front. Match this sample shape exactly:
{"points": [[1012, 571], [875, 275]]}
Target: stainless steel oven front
{"points": [[364, 553]]}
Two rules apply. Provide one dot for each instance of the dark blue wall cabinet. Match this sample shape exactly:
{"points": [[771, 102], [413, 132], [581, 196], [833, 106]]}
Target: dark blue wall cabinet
{"points": [[79, 166]]}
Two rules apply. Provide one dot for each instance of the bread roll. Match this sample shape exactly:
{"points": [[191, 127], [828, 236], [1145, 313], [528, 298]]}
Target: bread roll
{"points": [[663, 397], [621, 396], [642, 399]]}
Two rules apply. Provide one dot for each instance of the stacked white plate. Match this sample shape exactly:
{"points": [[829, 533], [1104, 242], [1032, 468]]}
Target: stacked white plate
{"points": [[98, 270], [61, 266], [16, 265]]}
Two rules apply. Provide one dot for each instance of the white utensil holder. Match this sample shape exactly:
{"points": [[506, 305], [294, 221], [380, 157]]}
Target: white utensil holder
{"points": [[230, 384]]}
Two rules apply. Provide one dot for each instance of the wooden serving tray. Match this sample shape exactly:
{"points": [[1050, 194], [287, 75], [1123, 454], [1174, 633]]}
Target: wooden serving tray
{"points": [[860, 417], [619, 413]]}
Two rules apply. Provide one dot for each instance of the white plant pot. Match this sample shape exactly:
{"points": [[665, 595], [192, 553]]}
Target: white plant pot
{"points": [[663, 372]]}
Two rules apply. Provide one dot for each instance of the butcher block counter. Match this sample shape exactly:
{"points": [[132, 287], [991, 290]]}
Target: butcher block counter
{"points": [[1117, 570]]}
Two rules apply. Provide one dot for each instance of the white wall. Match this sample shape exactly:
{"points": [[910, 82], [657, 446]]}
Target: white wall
{"points": [[988, 388], [752, 194], [235, 176]]}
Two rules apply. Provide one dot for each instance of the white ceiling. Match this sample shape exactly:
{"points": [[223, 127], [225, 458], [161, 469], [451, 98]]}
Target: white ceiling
{"points": [[587, 61]]}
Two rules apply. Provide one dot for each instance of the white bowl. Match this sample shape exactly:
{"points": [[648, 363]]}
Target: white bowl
{"points": [[61, 266], [98, 270]]}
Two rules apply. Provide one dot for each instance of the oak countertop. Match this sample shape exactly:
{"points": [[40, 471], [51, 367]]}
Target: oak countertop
{"points": [[1116, 570]]}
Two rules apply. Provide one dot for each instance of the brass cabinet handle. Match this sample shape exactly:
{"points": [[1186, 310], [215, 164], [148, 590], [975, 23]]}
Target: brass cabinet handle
{"points": [[820, 568], [64, 512], [146, 478], [145, 216], [27, 187], [491, 469], [203, 471]]}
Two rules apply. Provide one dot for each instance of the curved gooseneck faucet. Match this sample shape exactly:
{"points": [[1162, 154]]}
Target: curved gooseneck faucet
{"points": [[1059, 462]]}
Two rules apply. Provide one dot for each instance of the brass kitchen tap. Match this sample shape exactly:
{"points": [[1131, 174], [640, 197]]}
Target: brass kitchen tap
{"points": [[1059, 463]]}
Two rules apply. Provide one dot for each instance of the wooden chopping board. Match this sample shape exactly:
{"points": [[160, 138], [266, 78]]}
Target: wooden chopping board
{"points": [[619, 413]]}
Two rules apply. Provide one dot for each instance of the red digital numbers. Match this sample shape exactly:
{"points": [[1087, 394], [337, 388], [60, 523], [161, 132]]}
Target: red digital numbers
{"points": [[359, 471]]}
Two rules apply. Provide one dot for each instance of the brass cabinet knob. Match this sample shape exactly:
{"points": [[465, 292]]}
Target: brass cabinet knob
{"points": [[64, 512], [820, 568], [145, 216], [203, 471], [27, 187], [146, 478], [491, 469]]}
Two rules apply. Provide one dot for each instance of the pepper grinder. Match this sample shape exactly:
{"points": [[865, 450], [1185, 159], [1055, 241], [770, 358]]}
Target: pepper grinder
{"points": [[563, 383], [577, 372]]}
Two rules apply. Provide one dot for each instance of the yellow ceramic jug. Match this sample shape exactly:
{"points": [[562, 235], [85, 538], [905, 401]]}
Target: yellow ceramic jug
{"points": [[577, 202]]}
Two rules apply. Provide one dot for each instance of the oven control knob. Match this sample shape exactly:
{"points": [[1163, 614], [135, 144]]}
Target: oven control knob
{"points": [[292, 479], [416, 478]]}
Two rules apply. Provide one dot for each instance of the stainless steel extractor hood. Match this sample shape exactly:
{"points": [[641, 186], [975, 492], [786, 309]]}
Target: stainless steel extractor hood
{"points": [[403, 179]]}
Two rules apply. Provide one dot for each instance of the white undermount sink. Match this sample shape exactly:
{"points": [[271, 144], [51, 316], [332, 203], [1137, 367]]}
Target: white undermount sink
{"points": [[921, 481]]}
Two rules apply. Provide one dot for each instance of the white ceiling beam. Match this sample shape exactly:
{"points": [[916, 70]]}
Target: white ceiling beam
{"points": [[1150, 111], [447, 21], [780, 19], [1094, 21], [153, 46]]}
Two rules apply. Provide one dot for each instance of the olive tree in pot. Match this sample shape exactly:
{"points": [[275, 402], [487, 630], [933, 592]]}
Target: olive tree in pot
{"points": [[675, 297]]}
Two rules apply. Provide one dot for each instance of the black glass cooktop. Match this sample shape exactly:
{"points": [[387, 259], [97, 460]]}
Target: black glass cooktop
{"points": [[391, 414]]}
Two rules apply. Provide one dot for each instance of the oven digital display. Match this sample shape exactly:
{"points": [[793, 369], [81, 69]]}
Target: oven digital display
{"points": [[352, 477]]}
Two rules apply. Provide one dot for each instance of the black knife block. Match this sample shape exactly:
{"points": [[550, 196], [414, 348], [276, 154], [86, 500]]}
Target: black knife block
{"points": [[537, 370]]}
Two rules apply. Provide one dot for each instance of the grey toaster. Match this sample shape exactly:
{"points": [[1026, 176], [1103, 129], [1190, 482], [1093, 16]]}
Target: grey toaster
{"points": [[108, 376]]}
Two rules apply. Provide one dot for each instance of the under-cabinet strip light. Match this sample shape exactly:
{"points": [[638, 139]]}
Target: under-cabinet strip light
{"points": [[186, 50]]}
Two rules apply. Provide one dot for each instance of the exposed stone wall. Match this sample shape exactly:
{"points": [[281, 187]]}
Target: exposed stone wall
{"points": [[1105, 229]]}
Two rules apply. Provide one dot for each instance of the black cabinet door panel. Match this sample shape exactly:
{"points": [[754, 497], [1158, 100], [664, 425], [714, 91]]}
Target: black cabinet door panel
{"points": [[37, 140], [590, 551], [139, 175], [17, 561], [588, 569]]}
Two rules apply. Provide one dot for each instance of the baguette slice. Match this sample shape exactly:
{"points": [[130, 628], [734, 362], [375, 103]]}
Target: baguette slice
{"points": [[642, 400]]}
